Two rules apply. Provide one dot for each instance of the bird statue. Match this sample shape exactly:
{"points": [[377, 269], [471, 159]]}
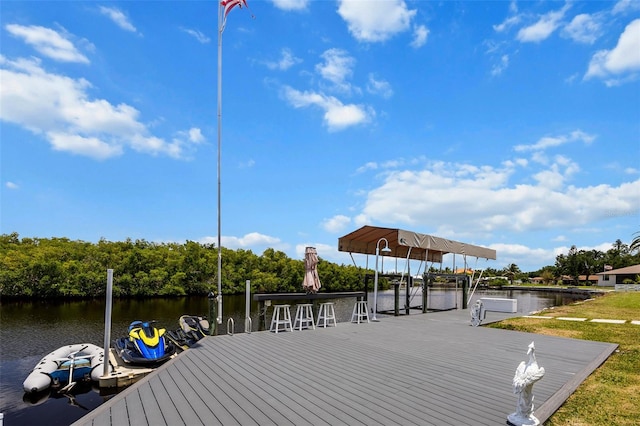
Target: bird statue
{"points": [[527, 374]]}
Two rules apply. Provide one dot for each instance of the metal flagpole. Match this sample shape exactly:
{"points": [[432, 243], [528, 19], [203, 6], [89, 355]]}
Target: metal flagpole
{"points": [[220, 28]]}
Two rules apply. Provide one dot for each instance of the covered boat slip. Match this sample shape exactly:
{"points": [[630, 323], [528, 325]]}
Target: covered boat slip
{"points": [[426, 369], [408, 244]]}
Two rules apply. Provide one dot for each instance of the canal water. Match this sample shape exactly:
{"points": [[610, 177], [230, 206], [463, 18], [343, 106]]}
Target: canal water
{"points": [[30, 330]]}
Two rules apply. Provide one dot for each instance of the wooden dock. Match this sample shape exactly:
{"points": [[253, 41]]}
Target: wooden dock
{"points": [[122, 375], [422, 369]]}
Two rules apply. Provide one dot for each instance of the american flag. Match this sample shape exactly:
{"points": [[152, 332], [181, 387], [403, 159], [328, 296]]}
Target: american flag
{"points": [[230, 4]]}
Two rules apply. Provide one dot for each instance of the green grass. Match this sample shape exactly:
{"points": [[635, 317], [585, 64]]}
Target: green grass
{"points": [[611, 395]]}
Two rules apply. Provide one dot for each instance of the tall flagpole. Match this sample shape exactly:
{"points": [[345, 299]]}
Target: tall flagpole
{"points": [[220, 28]]}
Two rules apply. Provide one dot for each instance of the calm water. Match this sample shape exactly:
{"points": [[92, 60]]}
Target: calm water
{"points": [[28, 331]]}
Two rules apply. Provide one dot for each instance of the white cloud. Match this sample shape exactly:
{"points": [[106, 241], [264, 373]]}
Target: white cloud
{"points": [[554, 177], [247, 164], [544, 27], [507, 23], [48, 42], [291, 4], [249, 240], [361, 220], [375, 21], [379, 87], [286, 61], [337, 67], [60, 108], [501, 66], [480, 201], [202, 38], [337, 116], [583, 28], [624, 58], [336, 224], [420, 34], [552, 141], [511, 20], [118, 17], [195, 135], [520, 254], [252, 241], [325, 251], [602, 247], [88, 146], [11, 185], [371, 165], [624, 6]]}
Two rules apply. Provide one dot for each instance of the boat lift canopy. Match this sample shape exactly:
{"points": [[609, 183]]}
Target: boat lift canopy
{"points": [[408, 244]]}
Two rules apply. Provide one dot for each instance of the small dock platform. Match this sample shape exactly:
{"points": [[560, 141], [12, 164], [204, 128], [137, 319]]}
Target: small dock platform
{"points": [[123, 375], [423, 369]]}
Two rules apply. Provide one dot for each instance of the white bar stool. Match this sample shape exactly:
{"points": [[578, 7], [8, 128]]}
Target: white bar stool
{"points": [[360, 312], [284, 320], [304, 317], [326, 314]]}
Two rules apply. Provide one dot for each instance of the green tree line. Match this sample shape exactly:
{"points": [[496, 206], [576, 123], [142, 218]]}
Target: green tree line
{"points": [[63, 268], [588, 262], [575, 263]]}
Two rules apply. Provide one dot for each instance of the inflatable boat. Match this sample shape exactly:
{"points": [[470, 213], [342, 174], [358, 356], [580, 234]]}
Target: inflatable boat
{"points": [[66, 366]]}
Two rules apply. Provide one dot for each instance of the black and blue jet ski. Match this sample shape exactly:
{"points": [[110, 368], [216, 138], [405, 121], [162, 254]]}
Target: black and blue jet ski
{"points": [[144, 345]]}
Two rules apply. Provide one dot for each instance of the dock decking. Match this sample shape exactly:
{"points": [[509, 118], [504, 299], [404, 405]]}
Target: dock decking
{"points": [[423, 369]]}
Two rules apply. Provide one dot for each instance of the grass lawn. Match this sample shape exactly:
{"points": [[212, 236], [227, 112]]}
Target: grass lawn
{"points": [[611, 395]]}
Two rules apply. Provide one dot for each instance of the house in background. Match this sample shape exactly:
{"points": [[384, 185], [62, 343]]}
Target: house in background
{"points": [[582, 280], [617, 276]]}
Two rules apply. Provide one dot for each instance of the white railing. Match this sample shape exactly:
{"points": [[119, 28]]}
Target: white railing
{"points": [[627, 287]]}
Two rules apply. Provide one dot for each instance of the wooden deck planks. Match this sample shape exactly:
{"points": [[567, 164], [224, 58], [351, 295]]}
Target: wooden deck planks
{"points": [[119, 414], [219, 402], [240, 387], [351, 378], [267, 374], [422, 369]]}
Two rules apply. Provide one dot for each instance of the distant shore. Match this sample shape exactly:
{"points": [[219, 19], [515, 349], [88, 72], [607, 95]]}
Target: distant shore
{"points": [[555, 289]]}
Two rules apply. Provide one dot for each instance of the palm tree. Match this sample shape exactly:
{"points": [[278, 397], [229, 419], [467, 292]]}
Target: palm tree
{"points": [[635, 244], [511, 271], [547, 276]]}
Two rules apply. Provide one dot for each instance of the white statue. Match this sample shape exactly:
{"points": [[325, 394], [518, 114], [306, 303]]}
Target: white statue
{"points": [[477, 313], [526, 375]]}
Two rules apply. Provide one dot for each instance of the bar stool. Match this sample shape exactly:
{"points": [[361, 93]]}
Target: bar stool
{"points": [[326, 314], [360, 312], [277, 320], [304, 317]]}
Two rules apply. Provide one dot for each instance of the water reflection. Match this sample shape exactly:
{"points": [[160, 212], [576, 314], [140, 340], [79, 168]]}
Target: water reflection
{"points": [[439, 299]]}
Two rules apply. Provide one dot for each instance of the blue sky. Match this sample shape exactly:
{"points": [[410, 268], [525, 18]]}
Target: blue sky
{"points": [[510, 125]]}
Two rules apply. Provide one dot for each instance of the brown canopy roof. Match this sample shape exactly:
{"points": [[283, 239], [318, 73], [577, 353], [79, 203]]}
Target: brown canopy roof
{"points": [[365, 239]]}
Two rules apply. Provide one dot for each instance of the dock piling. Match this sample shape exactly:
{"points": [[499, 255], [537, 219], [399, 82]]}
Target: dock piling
{"points": [[107, 321]]}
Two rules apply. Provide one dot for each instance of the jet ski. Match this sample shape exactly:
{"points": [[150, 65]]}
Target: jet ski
{"points": [[194, 327], [180, 339], [144, 345]]}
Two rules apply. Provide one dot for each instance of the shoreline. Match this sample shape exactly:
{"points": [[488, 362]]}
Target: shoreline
{"points": [[568, 290]]}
